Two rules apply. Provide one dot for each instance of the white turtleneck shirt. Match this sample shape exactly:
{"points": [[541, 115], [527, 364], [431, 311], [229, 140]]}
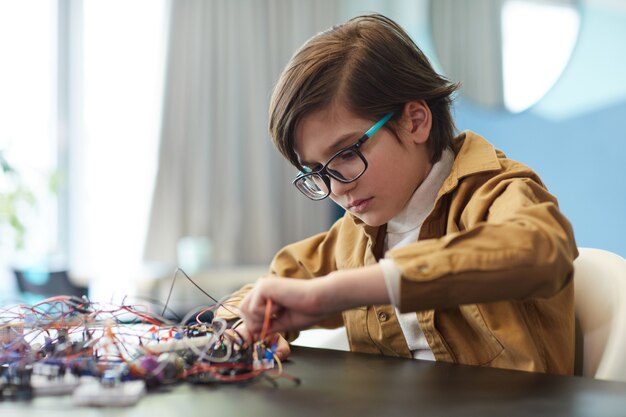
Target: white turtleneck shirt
{"points": [[404, 229]]}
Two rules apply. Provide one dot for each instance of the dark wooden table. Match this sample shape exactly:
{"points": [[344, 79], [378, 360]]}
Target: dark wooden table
{"points": [[348, 384]]}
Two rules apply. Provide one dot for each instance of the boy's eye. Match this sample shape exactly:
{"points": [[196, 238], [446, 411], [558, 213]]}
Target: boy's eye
{"points": [[347, 155]]}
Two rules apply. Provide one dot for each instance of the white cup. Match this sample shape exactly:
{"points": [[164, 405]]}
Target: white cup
{"points": [[193, 253]]}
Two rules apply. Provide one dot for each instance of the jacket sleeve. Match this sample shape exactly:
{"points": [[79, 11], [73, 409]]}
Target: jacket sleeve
{"points": [[511, 243], [306, 259]]}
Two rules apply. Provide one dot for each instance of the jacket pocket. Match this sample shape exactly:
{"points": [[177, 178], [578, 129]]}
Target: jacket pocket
{"points": [[467, 335]]}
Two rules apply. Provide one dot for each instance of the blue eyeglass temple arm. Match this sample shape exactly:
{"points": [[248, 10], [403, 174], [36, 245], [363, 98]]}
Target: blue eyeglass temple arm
{"points": [[369, 132], [378, 125]]}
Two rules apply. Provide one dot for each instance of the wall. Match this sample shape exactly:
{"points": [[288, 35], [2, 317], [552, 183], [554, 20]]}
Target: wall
{"points": [[574, 137]]}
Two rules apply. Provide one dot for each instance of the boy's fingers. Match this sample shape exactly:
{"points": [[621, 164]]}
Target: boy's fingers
{"points": [[282, 348], [281, 323], [242, 333]]}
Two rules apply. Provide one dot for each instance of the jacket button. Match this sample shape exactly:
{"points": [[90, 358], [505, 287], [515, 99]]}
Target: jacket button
{"points": [[382, 316]]}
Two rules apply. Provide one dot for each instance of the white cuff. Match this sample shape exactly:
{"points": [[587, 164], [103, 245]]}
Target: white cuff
{"points": [[392, 278]]}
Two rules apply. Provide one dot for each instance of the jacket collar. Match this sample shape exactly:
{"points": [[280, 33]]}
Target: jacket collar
{"points": [[474, 155]]}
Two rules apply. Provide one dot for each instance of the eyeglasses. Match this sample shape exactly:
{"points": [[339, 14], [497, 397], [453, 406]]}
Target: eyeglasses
{"points": [[345, 166]]}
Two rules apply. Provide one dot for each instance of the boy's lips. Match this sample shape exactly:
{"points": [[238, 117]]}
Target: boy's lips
{"points": [[359, 206]]}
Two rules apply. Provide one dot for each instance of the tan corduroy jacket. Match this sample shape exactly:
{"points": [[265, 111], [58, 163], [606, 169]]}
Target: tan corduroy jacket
{"points": [[490, 277]]}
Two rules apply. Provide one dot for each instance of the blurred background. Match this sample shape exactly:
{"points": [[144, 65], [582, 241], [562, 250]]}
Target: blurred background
{"points": [[133, 133]]}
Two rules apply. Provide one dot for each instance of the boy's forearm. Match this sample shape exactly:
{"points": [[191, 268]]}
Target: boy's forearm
{"points": [[351, 288]]}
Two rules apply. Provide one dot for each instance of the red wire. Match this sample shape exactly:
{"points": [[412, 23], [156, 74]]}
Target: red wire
{"points": [[143, 316]]}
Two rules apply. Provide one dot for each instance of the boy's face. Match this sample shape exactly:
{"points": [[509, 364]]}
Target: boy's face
{"points": [[397, 165]]}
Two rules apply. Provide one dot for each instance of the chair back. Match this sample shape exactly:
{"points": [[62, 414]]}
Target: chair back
{"points": [[36, 284], [600, 288]]}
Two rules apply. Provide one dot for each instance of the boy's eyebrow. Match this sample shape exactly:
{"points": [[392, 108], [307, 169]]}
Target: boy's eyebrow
{"points": [[340, 143]]}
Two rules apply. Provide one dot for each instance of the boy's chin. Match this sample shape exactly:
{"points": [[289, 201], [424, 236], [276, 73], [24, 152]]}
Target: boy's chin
{"points": [[371, 219]]}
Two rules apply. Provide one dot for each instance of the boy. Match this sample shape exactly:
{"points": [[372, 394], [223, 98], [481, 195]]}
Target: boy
{"points": [[448, 250]]}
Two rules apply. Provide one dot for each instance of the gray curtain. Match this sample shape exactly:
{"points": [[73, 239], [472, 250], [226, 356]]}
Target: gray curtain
{"points": [[219, 176], [468, 40]]}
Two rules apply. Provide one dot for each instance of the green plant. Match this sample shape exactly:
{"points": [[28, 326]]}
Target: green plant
{"points": [[15, 197]]}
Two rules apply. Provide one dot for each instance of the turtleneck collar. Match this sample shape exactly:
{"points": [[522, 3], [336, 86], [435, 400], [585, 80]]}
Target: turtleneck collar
{"points": [[421, 203]]}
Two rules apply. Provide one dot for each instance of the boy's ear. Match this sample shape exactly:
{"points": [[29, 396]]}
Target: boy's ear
{"points": [[417, 118]]}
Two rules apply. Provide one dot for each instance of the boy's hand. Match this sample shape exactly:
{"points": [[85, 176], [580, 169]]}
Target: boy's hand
{"points": [[282, 346], [301, 303], [295, 305]]}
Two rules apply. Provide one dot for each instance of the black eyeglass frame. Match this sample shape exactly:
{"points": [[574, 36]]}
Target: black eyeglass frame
{"points": [[325, 174]]}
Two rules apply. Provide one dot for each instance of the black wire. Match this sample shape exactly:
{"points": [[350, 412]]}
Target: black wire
{"points": [[167, 301], [156, 303]]}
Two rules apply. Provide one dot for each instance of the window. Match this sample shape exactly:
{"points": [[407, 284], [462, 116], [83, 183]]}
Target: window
{"points": [[28, 75], [113, 156], [533, 60], [81, 86]]}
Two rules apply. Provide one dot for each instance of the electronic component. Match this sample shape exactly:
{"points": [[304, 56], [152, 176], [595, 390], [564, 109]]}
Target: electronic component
{"points": [[183, 343], [52, 379], [15, 382], [119, 394], [62, 385]]}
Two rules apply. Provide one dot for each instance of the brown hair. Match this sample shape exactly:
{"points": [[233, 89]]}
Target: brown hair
{"points": [[369, 63]]}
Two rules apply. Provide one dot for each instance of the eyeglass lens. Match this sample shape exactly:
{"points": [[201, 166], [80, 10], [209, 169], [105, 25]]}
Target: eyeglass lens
{"points": [[346, 166], [313, 186]]}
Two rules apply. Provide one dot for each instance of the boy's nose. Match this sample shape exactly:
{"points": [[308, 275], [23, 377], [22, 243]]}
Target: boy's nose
{"points": [[340, 188]]}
